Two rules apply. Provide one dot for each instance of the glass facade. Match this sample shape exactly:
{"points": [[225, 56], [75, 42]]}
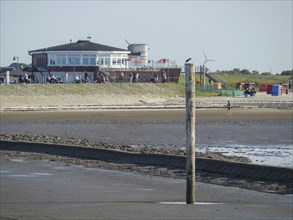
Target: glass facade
{"points": [[52, 60], [86, 60], [107, 61], [61, 60], [92, 60], [103, 60], [100, 61], [74, 60], [89, 60]]}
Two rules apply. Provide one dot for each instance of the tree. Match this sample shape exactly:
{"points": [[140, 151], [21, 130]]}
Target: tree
{"points": [[287, 73], [245, 72], [255, 72], [19, 65], [266, 73], [235, 71]]}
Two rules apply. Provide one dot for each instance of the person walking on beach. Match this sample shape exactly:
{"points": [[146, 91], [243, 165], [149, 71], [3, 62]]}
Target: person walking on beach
{"points": [[229, 108]]}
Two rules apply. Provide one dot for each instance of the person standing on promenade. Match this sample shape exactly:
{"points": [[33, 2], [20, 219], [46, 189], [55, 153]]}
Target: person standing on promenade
{"points": [[229, 108], [86, 79]]}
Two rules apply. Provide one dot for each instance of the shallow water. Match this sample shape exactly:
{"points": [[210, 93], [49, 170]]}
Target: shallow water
{"points": [[273, 155]]}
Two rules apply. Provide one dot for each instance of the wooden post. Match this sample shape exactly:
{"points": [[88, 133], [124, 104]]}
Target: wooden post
{"points": [[190, 132]]}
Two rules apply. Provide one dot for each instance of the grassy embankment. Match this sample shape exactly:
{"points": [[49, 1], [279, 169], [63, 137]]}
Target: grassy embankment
{"points": [[257, 79], [164, 89]]}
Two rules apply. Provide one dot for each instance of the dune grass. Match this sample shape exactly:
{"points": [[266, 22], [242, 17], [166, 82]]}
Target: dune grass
{"points": [[89, 89]]}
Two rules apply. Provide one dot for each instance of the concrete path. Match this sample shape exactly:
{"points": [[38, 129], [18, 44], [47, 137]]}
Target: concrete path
{"points": [[50, 190]]}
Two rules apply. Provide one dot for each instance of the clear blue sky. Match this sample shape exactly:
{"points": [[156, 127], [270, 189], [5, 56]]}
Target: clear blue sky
{"points": [[255, 35]]}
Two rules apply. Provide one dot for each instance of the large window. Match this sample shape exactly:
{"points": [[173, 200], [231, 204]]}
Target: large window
{"points": [[86, 60], [89, 60], [61, 60], [52, 60], [101, 61], [74, 60], [118, 61], [92, 60], [114, 61], [71, 60], [107, 61]]}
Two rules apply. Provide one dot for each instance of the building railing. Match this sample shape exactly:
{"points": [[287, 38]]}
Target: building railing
{"points": [[152, 65]]}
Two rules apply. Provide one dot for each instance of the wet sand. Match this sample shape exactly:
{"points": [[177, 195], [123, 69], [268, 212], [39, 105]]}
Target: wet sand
{"points": [[157, 127], [263, 135], [43, 189]]}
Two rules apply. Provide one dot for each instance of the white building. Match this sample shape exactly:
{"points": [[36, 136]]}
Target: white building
{"points": [[68, 60]]}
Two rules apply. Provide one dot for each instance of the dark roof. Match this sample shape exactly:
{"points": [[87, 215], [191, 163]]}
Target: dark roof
{"points": [[40, 69], [8, 68], [81, 45], [16, 73]]}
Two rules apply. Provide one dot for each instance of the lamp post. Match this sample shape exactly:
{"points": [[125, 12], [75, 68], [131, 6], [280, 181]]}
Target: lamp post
{"points": [[17, 59]]}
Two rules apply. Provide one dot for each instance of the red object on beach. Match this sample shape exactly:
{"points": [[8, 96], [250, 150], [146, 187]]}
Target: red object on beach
{"points": [[269, 88], [262, 87]]}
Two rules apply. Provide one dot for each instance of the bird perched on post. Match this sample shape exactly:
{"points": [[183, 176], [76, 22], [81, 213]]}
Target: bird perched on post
{"points": [[186, 61]]}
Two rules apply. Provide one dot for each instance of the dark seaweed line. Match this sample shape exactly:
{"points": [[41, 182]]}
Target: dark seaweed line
{"points": [[257, 172]]}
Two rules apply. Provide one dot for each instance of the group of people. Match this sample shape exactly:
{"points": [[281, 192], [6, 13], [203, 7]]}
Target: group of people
{"points": [[103, 77], [52, 79], [159, 77], [133, 77], [249, 92], [24, 78], [84, 80]]}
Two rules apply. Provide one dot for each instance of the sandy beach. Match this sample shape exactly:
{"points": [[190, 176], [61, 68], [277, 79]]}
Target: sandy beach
{"points": [[133, 101]]}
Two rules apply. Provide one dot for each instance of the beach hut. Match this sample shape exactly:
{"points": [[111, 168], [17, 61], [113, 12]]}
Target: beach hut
{"points": [[276, 90], [269, 88], [262, 87]]}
